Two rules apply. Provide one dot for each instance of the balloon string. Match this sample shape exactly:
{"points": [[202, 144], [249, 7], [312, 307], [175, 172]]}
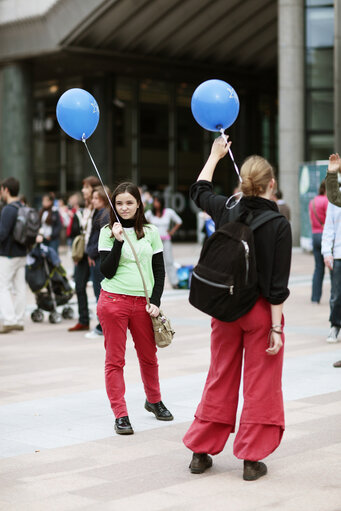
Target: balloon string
{"points": [[99, 176], [231, 155]]}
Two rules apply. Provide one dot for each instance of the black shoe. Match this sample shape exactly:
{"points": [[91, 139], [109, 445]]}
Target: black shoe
{"points": [[159, 410], [200, 462], [254, 470], [123, 426]]}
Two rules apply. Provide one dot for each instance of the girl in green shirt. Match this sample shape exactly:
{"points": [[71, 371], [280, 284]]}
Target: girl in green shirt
{"points": [[122, 303]]}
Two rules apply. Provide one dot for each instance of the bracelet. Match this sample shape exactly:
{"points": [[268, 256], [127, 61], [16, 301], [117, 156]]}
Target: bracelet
{"points": [[276, 331], [277, 326]]}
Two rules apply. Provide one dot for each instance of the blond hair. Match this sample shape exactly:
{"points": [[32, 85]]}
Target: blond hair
{"points": [[256, 173]]}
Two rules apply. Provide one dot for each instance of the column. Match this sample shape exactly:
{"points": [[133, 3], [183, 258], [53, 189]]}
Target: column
{"points": [[172, 140], [337, 76], [291, 103], [16, 126]]}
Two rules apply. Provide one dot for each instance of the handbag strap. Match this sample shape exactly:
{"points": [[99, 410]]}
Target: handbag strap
{"points": [[138, 264], [315, 213]]}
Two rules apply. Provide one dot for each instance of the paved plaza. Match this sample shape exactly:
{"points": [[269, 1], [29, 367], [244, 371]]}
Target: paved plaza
{"points": [[58, 450]]}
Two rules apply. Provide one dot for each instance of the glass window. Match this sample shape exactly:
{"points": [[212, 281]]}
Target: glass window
{"points": [[318, 3], [320, 146], [320, 27], [320, 112], [320, 68]]}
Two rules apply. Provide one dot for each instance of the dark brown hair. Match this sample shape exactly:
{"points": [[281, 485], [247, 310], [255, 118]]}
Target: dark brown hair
{"points": [[102, 195], [322, 189], [12, 186], [92, 181], [139, 220], [51, 196]]}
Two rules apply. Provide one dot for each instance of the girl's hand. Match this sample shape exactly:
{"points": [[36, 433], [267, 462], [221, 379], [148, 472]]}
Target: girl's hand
{"points": [[334, 163], [220, 148], [152, 310], [117, 231], [275, 344]]}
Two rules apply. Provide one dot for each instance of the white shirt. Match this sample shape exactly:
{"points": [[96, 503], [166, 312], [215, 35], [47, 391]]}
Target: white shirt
{"points": [[331, 237], [163, 222]]}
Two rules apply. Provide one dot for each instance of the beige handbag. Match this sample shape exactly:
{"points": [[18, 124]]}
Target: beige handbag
{"points": [[78, 248], [163, 331]]}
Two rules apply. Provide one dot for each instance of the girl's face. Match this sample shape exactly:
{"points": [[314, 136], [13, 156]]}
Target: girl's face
{"points": [[97, 201], [157, 204], [126, 205], [46, 203], [87, 191]]}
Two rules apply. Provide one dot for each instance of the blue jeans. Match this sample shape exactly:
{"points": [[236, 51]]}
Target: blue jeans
{"points": [[335, 294], [319, 268]]}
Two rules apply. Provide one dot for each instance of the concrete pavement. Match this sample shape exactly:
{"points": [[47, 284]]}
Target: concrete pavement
{"points": [[58, 449]]}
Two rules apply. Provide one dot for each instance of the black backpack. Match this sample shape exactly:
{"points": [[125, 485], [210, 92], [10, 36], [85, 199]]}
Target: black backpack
{"points": [[224, 282], [26, 226]]}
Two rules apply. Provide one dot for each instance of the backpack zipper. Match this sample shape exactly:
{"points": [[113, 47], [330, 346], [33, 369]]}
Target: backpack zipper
{"points": [[247, 253], [214, 284]]}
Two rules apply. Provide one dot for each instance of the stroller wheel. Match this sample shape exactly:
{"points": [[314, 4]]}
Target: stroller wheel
{"points": [[55, 317], [37, 316], [68, 313]]}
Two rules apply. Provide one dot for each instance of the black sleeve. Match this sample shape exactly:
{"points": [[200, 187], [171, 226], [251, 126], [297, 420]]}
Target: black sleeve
{"points": [[159, 278], [110, 260], [202, 194], [56, 225], [279, 291], [8, 219]]}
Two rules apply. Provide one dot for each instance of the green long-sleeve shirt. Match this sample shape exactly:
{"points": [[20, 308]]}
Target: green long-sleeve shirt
{"points": [[333, 188]]}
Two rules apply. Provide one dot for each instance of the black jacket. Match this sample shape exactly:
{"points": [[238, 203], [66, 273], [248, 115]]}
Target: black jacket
{"points": [[99, 219], [9, 247], [273, 241]]}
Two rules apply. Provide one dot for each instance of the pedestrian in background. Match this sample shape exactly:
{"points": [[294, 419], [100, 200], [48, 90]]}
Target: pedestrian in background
{"points": [[168, 222], [122, 303], [282, 205], [12, 262], [317, 213], [51, 224], [256, 336], [99, 219], [82, 268]]}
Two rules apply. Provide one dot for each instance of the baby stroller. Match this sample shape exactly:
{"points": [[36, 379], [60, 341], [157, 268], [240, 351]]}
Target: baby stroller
{"points": [[47, 279]]}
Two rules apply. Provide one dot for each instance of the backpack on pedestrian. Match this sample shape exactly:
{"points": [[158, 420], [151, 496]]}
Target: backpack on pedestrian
{"points": [[224, 282], [26, 226]]}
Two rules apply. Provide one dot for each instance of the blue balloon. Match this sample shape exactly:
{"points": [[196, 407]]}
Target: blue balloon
{"points": [[215, 105], [77, 113]]}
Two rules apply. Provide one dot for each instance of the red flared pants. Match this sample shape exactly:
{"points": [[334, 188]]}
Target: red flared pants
{"points": [[116, 314], [262, 419]]}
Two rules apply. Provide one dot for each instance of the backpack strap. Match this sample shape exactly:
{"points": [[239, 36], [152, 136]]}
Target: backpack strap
{"points": [[263, 218]]}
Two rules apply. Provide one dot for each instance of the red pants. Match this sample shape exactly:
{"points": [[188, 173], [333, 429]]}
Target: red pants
{"points": [[262, 419], [116, 314]]}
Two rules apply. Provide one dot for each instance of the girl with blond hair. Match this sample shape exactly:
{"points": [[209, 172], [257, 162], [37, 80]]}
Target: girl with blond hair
{"points": [[255, 339]]}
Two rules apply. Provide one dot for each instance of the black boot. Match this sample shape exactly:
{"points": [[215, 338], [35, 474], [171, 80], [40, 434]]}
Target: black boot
{"points": [[123, 426], [200, 462], [254, 470], [159, 410]]}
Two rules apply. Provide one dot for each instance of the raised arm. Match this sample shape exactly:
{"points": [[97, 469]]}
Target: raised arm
{"points": [[219, 149]]}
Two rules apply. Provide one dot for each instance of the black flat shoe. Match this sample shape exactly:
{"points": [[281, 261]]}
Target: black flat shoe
{"points": [[123, 426], [200, 462], [159, 410], [254, 470]]}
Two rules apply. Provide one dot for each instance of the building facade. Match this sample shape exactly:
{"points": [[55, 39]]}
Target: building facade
{"points": [[142, 60]]}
